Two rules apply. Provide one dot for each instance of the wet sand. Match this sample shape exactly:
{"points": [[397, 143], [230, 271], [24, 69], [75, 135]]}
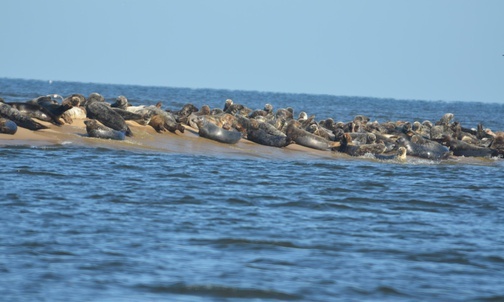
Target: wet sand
{"points": [[147, 139]]}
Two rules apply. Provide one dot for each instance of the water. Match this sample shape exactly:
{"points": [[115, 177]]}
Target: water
{"points": [[99, 224]]}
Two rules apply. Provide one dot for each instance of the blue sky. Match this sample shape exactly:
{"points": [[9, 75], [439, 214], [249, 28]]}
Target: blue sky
{"points": [[429, 50]]}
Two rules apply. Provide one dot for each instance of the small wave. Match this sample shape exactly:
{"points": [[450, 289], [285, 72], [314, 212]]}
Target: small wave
{"points": [[241, 201], [38, 173], [441, 257], [382, 291], [218, 291], [187, 199], [241, 242], [496, 298], [272, 262]]}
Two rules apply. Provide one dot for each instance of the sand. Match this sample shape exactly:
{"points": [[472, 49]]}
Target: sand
{"points": [[147, 139]]}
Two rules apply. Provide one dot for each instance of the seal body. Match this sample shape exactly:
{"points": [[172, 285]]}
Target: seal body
{"points": [[21, 120], [263, 133], [399, 156], [52, 106], [142, 119], [216, 133], [262, 137], [349, 148], [461, 148], [305, 138], [94, 129], [104, 114], [34, 110], [428, 150], [7, 126]]}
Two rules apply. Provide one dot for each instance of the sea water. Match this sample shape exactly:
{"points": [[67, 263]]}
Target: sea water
{"points": [[99, 224]]}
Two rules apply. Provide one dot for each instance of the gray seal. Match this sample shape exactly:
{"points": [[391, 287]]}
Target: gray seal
{"points": [[53, 106], [349, 148], [428, 149], [101, 111], [399, 156], [34, 110], [7, 126], [216, 133], [461, 148], [94, 129], [305, 138], [264, 133], [21, 120]]}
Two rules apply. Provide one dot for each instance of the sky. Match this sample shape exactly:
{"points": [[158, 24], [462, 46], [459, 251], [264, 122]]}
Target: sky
{"points": [[416, 49]]}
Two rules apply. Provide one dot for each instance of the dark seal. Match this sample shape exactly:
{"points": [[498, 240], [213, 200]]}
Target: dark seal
{"points": [[265, 134], [20, 119], [7, 126], [216, 133], [305, 138], [101, 111], [94, 129], [399, 156]]}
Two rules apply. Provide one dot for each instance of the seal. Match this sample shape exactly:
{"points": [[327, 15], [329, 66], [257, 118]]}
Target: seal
{"points": [[182, 115], [101, 111], [53, 106], [19, 119], [142, 119], [497, 141], [265, 134], [120, 102], [204, 111], [94, 129], [428, 150], [268, 110], [7, 126], [77, 111], [165, 120], [307, 139], [214, 132], [399, 156], [461, 148], [349, 148], [34, 110]]}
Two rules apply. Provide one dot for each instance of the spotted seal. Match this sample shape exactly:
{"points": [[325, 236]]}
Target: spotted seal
{"points": [[94, 129], [7, 126], [211, 131]]}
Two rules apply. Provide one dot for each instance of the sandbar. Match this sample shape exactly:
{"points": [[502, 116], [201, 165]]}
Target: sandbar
{"points": [[147, 139]]}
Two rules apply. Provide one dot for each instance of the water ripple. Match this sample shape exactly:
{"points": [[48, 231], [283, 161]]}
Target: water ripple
{"points": [[218, 291]]}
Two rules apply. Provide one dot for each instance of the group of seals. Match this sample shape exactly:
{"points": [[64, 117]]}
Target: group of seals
{"points": [[280, 128]]}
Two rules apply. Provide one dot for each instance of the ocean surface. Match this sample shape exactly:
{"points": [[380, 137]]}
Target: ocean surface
{"points": [[98, 224]]}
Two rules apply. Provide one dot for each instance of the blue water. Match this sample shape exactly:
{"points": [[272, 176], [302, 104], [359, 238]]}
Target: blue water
{"points": [[98, 224]]}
